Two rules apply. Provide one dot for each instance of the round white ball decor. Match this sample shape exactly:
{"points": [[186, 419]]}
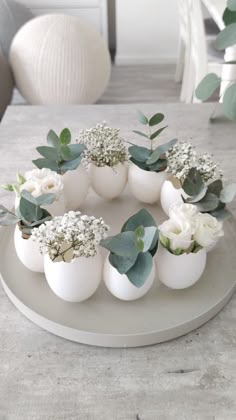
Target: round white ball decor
{"points": [[58, 59]]}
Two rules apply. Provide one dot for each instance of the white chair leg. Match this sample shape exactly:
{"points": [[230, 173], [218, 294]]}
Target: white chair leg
{"points": [[185, 77], [180, 61], [190, 83]]}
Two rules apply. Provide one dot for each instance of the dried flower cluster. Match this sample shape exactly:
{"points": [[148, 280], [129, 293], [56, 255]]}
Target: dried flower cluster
{"points": [[70, 236], [182, 157], [104, 146]]}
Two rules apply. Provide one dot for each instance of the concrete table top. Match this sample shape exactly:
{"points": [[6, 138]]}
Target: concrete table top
{"points": [[43, 377]]}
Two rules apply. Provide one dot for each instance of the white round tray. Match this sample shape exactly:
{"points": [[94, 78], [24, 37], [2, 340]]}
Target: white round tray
{"points": [[103, 320]]}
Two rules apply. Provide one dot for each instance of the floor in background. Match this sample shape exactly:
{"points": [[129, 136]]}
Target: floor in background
{"points": [[129, 84], [146, 83]]}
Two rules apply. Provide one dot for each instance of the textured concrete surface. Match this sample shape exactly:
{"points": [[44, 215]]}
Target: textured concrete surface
{"points": [[43, 377]]}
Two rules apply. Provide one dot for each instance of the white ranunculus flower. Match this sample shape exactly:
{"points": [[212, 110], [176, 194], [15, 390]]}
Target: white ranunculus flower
{"points": [[179, 235], [47, 181], [180, 213], [207, 230], [32, 187]]}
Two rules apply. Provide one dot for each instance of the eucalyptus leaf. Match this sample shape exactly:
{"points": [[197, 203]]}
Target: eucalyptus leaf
{"points": [[142, 118], [215, 187], [122, 244], [156, 119], [66, 153], [159, 166], [45, 163], [207, 86], [160, 150], [208, 203], [229, 100], [149, 235], [49, 153], [231, 5], [193, 184], [141, 218], [227, 37], [76, 149], [45, 199], [70, 165], [65, 136], [156, 133], [140, 271], [8, 219], [7, 187], [141, 134], [139, 153], [20, 179], [28, 210], [229, 17], [139, 244], [122, 264], [29, 197], [196, 198], [53, 140], [141, 165], [228, 193], [139, 231], [221, 214]]}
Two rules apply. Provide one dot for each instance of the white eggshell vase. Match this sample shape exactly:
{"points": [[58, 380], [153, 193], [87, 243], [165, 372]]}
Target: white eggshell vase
{"points": [[120, 286], [28, 252], [145, 185], [74, 281], [180, 271], [170, 195], [109, 182], [76, 185]]}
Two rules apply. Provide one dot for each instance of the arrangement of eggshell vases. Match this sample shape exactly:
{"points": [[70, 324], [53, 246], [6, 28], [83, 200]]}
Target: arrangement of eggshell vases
{"points": [[52, 236]]}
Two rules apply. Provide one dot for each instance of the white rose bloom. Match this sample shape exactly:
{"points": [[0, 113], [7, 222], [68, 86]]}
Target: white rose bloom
{"points": [[47, 181], [32, 187], [180, 236], [181, 213], [38, 174], [207, 230]]}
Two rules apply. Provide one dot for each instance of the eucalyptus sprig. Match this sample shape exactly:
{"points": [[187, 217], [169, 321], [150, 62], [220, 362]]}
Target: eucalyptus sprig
{"points": [[29, 213], [60, 155], [132, 250], [211, 82], [15, 187], [211, 198], [150, 159]]}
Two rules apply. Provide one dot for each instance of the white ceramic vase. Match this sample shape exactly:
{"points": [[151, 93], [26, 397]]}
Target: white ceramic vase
{"points": [[170, 195], [120, 286], [75, 281], [145, 185], [180, 271], [28, 252], [109, 182], [57, 208], [76, 185]]}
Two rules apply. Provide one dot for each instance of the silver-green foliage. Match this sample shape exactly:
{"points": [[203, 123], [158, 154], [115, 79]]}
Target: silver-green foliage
{"points": [[59, 155], [226, 38], [132, 250], [29, 213], [210, 199], [150, 159]]}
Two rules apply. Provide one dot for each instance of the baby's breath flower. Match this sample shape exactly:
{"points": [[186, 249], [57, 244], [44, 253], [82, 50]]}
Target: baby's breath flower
{"points": [[70, 236], [182, 157], [104, 146]]}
